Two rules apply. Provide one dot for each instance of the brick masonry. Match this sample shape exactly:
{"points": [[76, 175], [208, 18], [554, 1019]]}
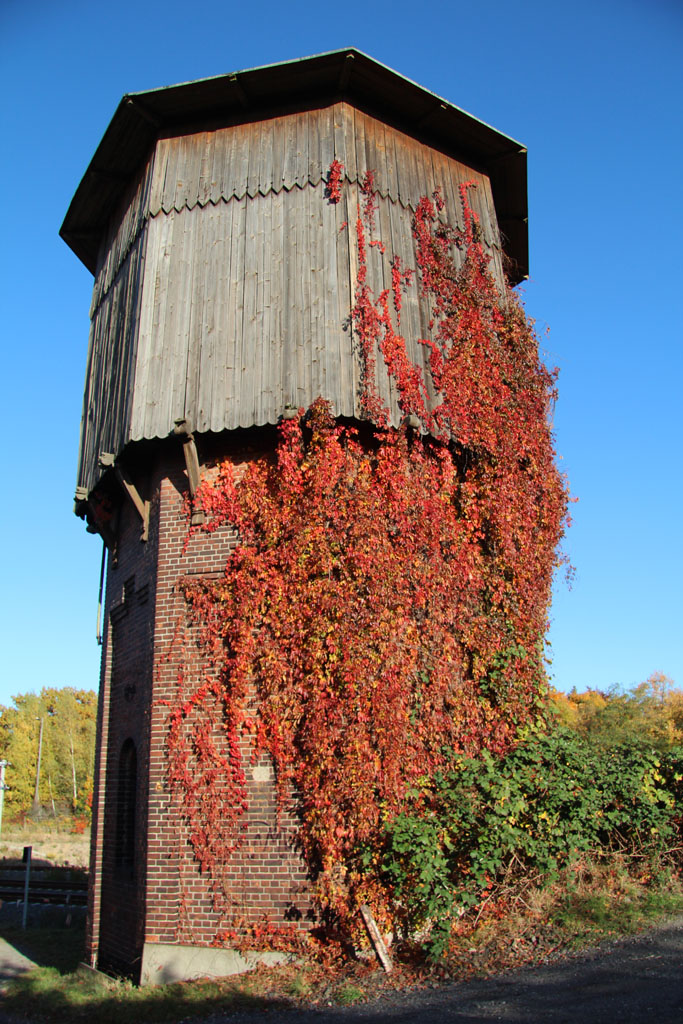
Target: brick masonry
{"points": [[158, 894]]}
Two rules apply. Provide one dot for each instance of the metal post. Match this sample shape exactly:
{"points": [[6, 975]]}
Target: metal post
{"points": [[36, 792], [27, 860]]}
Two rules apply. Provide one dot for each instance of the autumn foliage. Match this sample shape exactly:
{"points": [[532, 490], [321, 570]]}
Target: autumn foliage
{"points": [[387, 602]]}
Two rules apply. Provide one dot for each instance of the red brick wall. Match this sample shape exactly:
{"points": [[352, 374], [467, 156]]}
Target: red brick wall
{"points": [[147, 640]]}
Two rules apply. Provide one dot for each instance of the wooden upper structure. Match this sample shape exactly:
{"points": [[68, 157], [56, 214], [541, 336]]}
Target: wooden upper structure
{"points": [[224, 276]]}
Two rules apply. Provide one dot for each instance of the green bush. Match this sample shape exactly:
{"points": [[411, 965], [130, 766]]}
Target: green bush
{"points": [[488, 820]]}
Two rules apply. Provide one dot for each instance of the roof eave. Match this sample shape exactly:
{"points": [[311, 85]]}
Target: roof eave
{"points": [[256, 93]]}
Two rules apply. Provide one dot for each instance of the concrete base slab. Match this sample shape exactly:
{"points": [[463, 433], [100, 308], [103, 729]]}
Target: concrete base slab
{"points": [[163, 963]]}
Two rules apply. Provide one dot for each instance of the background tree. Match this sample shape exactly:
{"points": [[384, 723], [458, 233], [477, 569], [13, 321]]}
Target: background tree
{"points": [[67, 753], [650, 713]]}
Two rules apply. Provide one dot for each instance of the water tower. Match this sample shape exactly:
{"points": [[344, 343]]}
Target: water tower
{"points": [[224, 279]]}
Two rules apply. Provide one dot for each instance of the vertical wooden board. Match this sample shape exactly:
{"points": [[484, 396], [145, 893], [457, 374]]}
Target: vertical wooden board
{"points": [[170, 165], [156, 272], [171, 403], [391, 172], [221, 187], [106, 413], [359, 139], [279, 141], [190, 160], [240, 159], [237, 280], [93, 405], [317, 270], [108, 401], [327, 152], [275, 401], [382, 282], [265, 174], [451, 194], [183, 171], [206, 168], [199, 349], [290, 156], [403, 177], [236, 300], [349, 256], [418, 186], [303, 290], [333, 147], [121, 355], [329, 328], [290, 305], [321, 137], [427, 178], [252, 137], [405, 163], [440, 170], [140, 278], [211, 375], [348, 133], [158, 379], [156, 196], [84, 452], [219, 385], [262, 321], [379, 160], [144, 329], [251, 341], [301, 175], [342, 310], [399, 228], [488, 213]]}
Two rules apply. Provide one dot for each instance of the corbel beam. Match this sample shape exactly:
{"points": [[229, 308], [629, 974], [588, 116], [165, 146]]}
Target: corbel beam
{"points": [[183, 431], [108, 461]]}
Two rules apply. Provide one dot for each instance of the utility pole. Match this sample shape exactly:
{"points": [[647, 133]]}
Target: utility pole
{"points": [[3, 764], [73, 769], [36, 792]]}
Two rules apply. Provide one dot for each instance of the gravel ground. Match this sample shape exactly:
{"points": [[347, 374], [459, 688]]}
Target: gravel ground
{"points": [[630, 981]]}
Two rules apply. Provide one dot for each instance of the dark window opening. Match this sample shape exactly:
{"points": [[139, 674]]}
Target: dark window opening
{"points": [[126, 811]]}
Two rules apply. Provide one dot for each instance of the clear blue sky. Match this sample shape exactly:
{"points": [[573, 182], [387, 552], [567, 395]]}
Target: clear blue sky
{"points": [[593, 88]]}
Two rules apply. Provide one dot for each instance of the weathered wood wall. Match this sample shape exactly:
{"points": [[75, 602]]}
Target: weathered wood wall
{"points": [[225, 283]]}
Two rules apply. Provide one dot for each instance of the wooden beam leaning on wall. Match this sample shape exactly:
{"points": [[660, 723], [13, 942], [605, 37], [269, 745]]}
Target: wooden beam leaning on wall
{"points": [[183, 431]]}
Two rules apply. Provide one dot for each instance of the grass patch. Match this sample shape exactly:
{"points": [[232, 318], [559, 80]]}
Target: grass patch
{"points": [[348, 993], [47, 996]]}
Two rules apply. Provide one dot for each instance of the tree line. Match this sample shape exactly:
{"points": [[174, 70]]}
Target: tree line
{"points": [[49, 741], [649, 714]]}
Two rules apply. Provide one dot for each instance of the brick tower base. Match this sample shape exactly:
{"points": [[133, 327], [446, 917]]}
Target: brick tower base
{"points": [[152, 913]]}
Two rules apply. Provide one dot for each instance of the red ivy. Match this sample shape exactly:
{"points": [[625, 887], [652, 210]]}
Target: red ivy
{"points": [[334, 179], [388, 600]]}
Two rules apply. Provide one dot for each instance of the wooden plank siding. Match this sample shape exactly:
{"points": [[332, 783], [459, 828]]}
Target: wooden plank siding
{"points": [[226, 280]]}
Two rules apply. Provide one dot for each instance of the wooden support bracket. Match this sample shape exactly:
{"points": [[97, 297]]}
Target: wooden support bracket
{"points": [[108, 461], [183, 431], [141, 504]]}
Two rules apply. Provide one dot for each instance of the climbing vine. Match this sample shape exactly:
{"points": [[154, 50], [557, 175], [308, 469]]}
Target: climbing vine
{"points": [[387, 602]]}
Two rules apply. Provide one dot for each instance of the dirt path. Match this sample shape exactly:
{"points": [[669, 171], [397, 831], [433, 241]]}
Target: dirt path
{"points": [[630, 981]]}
